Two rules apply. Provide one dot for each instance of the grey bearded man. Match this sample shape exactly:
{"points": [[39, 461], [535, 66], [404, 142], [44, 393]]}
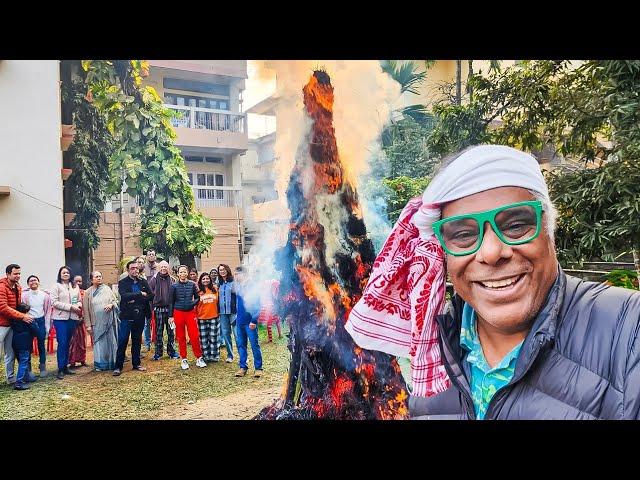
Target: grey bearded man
{"points": [[520, 339]]}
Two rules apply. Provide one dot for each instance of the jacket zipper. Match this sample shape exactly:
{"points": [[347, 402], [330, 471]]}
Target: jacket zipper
{"points": [[501, 393], [470, 410]]}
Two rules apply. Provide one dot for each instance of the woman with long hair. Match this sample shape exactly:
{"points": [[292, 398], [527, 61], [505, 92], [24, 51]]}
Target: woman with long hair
{"points": [[207, 315], [65, 313], [182, 313], [101, 311], [226, 307], [193, 275]]}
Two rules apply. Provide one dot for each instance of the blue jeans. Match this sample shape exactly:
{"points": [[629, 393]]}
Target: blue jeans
{"points": [[225, 330], [243, 332], [147, 333], [126, 327], [24, 364], [64, 333], [42, 334]]}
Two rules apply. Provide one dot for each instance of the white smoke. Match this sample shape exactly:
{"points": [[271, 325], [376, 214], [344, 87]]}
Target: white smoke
{"points": [[364, 98]]}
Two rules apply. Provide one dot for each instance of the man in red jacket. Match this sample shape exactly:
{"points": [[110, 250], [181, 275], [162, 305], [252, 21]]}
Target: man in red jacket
{"points": [[10, 297]]}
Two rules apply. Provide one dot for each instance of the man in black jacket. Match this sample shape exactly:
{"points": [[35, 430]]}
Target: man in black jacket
{"points": [[568, 349], [135, 295], [520, 339]]}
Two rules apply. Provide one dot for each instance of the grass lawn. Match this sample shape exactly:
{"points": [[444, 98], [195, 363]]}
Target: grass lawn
{"points": [[138, 395]]}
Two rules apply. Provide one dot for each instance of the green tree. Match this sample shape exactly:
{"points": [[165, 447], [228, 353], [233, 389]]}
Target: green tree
{"points": [[89, 160], [537, 104], [146, 163], [402, 189]]}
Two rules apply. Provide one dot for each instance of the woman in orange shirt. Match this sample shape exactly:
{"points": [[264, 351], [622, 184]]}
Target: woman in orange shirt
{"points": [[207, 315]]}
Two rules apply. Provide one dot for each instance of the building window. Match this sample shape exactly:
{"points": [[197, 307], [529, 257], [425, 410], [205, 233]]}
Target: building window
{"points": [[195, 101], [219, 183], [190, 175], [199, 159], [195, 86]]}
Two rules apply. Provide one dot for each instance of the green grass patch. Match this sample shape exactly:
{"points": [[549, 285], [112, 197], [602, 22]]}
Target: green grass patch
{"points": [[138, 395]]}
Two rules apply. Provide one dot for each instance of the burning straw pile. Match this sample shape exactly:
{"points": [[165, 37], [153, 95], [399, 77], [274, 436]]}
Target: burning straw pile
{"points": [[325, 266]]}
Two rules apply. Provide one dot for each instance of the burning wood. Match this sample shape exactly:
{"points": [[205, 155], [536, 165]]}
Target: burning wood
{"points": [[325, 266]]}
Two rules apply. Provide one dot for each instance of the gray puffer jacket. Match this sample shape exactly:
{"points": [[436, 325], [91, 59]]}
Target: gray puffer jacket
{"points": [[579, 361]]}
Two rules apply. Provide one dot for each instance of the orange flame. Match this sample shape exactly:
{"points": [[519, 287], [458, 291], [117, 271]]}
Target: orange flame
{"points": [[322, 93], [339, 388], [315, 289]]}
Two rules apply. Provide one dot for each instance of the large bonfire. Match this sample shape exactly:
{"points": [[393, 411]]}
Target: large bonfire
{"points": [[325, 266]]}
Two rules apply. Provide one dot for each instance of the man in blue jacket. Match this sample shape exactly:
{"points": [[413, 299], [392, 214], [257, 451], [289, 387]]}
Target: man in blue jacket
{"points": [[135, 295], [246, 329]]}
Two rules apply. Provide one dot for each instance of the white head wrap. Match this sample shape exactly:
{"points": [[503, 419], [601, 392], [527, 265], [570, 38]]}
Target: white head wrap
{"points": [[478, 169]]}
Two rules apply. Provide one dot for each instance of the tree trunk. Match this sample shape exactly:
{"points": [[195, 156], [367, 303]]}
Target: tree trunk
{"points": [[458, 82], [188, 260], [66, 109], [470, 74]]}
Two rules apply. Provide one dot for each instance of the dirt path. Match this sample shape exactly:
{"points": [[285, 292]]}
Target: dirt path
{"points": [[237, 406]]}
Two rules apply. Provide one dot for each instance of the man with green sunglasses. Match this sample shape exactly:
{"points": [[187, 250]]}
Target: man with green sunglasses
{"points": [[514, 224], [519, 339]]}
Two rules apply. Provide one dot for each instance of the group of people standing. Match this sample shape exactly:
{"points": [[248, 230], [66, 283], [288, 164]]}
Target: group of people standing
{"points": [[149, 301], [37, 313], [203, 308]]}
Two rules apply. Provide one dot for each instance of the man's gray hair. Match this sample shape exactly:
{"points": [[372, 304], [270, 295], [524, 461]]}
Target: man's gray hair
{"points": [[550, 212]]}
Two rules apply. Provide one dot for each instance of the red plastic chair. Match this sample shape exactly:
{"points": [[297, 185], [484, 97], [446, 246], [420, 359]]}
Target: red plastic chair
{"points": [[52, 336], [34, 350]]}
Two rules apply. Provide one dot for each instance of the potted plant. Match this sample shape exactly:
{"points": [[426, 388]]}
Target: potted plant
{"points": [[68, 134]]}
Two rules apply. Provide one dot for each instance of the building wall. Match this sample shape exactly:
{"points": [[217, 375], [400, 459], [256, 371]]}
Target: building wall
{"points": [[108, 254], [31, 217], [225, 246], [231, 68], [209, 139], [106, 257]]}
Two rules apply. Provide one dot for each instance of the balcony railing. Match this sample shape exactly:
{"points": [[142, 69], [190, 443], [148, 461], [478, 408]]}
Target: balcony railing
{"points": [[209, 119], [217, 196]]}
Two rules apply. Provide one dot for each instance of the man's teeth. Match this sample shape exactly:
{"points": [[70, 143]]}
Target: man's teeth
{"points": [[501, 283]]}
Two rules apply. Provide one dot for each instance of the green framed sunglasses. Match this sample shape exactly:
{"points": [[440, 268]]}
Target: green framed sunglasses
{"points": [[513, 224]]}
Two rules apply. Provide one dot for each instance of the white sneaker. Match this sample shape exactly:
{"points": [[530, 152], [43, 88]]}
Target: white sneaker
{"points": [[229, 360], [185, 364], [200, 363]]}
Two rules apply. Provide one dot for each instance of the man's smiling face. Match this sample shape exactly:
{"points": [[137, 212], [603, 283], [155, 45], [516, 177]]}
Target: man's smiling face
{"points": [[506, 285]]}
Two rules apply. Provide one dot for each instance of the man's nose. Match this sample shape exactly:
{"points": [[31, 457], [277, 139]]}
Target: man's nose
{"points": [[492, 248]]}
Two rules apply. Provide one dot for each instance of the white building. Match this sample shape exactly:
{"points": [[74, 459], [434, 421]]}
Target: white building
{"points": [[212, 137], [31, 210]]}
